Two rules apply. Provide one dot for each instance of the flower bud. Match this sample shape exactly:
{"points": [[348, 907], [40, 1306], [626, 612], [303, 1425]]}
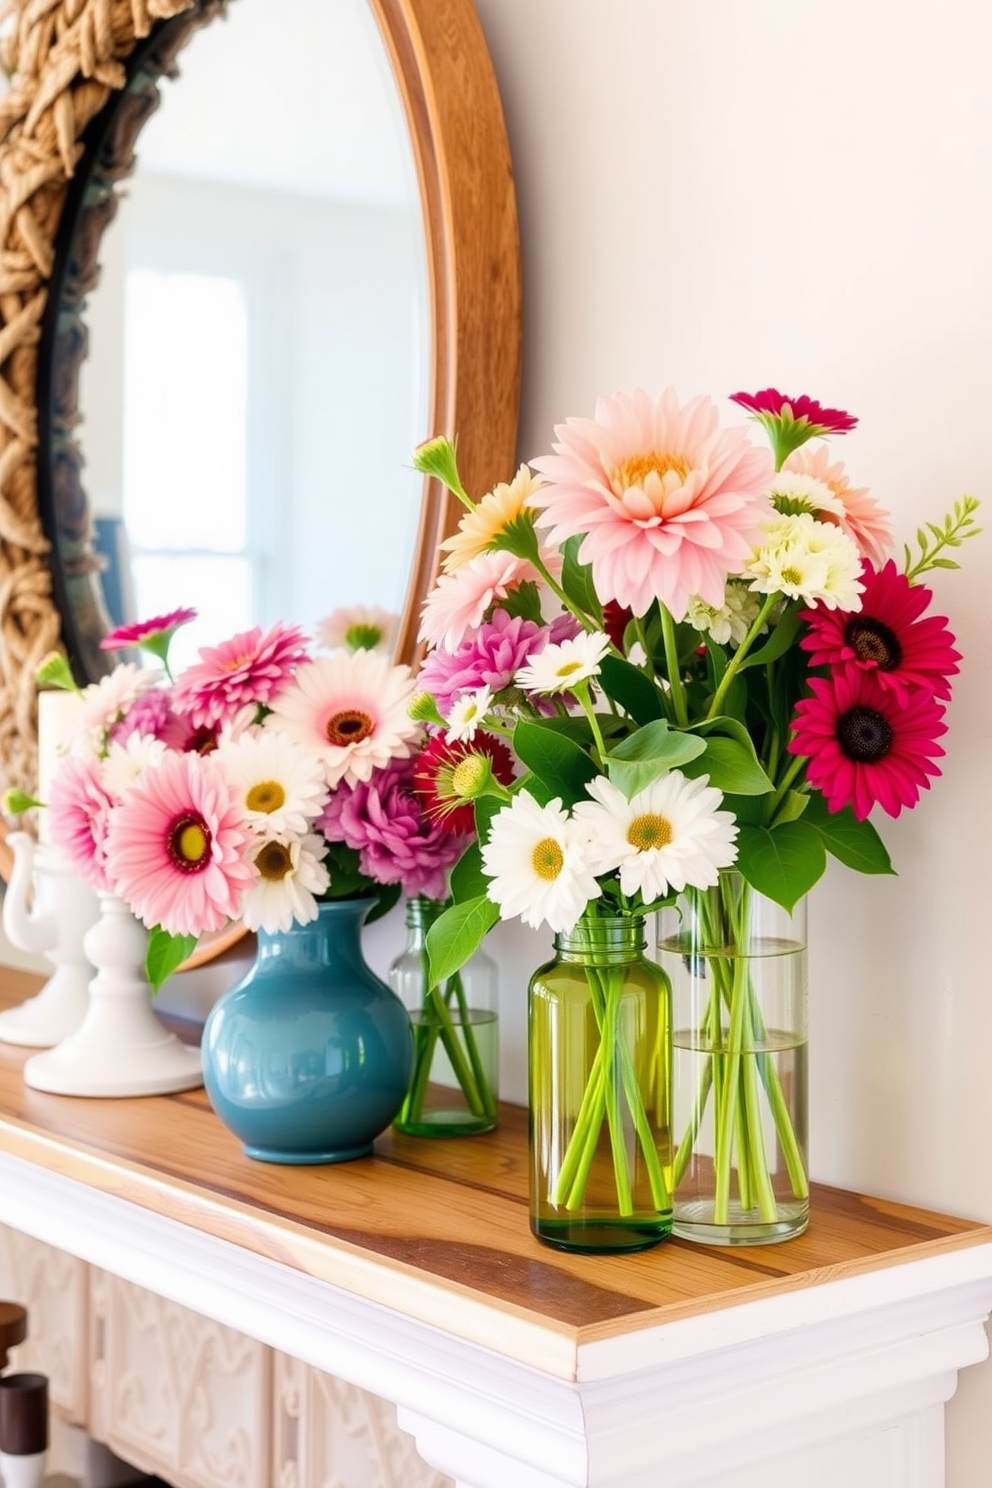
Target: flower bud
{"points": [[423, 709], [54, 671]]}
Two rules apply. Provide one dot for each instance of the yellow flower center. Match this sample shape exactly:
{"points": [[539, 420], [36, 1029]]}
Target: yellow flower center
{"points": [[468, 776], [568, 669], [350, 726], [792, 575], [547, 859], [266, 795], [649, 831], [635, 470], [188, 842], [274, 861]]}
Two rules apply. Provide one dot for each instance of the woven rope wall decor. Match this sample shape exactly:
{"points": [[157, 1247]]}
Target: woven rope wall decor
{"points": [[63, 59]]}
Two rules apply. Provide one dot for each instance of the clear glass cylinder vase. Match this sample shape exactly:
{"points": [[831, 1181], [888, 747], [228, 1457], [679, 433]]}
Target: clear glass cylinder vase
{"points": [[599, 1059], [737, 965], [454, 1088]]}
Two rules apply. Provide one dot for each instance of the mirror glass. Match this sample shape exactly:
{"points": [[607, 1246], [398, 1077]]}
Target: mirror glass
{"points": [[259, 350]]}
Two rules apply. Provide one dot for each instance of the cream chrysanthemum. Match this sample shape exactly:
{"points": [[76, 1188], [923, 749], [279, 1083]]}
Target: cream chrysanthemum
{"points": [[808, 560], [290, 873], [127, 762], [668, 837], [538, 862], [479, 528], [729, 622], [279, 785], [350, 708], [468, 714], [559, 667], [792, 492]]}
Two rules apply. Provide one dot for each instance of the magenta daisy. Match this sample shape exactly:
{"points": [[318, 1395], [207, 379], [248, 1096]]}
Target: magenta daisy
{"points": [[667, 505], [789, 422], [865, 747], [249, 668], [490, 658], [889, 636], [850, 507], [179, 848], [153, 635], [78, 808], [351, 709], [382, 819]]}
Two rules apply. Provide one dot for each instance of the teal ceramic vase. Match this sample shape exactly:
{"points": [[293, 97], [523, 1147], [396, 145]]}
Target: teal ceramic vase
{"points": [[309, 1057]]}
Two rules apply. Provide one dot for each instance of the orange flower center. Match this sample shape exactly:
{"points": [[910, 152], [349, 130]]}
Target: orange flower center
{"points": [[266, 795], [350, 726], [635, 470]]}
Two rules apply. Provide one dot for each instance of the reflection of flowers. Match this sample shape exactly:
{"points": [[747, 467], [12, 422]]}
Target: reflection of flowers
{"points": [[358, 627]]}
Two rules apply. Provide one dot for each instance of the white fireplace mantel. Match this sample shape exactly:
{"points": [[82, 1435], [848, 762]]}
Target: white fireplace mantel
{"points": [[412, 1274]]}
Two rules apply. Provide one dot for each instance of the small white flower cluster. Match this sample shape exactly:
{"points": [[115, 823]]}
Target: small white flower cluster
{"points": [[543, 861], [809, 560], [730, 622]]}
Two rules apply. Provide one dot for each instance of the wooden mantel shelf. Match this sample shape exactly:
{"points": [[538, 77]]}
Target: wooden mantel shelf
{"points": [[413, 1273]]}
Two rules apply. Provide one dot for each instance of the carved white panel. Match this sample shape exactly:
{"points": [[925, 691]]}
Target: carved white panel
{"points": [[53, 1287], [177, 1394], [329, 1434]]}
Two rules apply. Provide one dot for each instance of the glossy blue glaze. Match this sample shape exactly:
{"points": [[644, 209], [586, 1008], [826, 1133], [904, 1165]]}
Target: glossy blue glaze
{"points": [[308, 1058]]}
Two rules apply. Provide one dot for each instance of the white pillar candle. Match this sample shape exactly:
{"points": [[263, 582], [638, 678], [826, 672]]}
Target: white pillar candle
{"points": [[57, 709]]}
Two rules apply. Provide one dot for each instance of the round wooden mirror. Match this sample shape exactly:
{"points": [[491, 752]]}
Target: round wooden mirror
{"points": [[83, 82]]}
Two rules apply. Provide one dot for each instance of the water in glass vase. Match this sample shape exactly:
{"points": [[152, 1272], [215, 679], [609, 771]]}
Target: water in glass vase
{"points": [[738, 970], [443, 1108]]}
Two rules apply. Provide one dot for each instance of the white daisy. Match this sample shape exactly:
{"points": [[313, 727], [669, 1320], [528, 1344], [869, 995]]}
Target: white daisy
{"points": [[730, 621], [667, 837], [290, 873], [808, 560], [468, 714], [358, 626], [792, 493], [537, 860], [278, 784], [127, 762], [351, 709], [558, 667]]}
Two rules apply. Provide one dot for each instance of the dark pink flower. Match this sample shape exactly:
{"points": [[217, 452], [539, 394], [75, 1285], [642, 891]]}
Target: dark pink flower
{"points": [[437, 787], [864, 746], [382, 820], [491, 658], [148, 633], [78, 810], [248, 668], [149, 714], [889, 636], [789, 422]]}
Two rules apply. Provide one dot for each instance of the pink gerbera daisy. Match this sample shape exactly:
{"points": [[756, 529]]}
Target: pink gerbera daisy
{"points": [[153, 635], [889, 636], [865, 747], [668, 505], [351, 708], [248, 668], [859, 515], [179, 848], [457, 605], [789, 422], [78, 809]]}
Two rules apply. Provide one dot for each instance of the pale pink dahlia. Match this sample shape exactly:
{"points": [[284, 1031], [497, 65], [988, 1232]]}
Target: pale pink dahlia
{"points": [[78, 810], [248, 668], [457, 605], [350, 709], [667, 504], [383, 821], [178, 847], [860, 515]]}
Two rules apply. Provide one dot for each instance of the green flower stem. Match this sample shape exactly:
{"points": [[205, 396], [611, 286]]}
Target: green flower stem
{"points": [[796, 765], [424, 1042], [736, 661], [695, 1121], [660, 1193], [581, 691], [614, 1114], [486, 1097], [584, 620], [468, 1070], [677, 689]]}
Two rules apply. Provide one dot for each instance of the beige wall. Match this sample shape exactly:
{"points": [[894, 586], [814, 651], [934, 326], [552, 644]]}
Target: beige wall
{"points": [[729, 194]]}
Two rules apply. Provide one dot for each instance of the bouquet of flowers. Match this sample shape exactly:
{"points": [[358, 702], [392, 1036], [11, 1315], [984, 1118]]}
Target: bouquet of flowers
{"points": [[663, 651], [259, 781]]}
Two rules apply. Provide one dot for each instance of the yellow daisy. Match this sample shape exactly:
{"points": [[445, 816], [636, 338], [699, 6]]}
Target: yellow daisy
{"points": [[479, 527]]}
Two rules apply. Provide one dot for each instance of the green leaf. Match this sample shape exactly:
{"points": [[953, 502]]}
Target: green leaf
{"points": [[576, 580], [628, 686], [731, 766], [384, 897], [792, 807], [457, 934], [558, 763], [854, 843], [347, 878], [486, 807], [648, 753], [467, 879], [523, 601], [165, 954], [782, 638], [782, 863]]}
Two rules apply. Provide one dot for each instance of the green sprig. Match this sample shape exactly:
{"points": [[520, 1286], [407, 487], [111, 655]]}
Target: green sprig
{"points": [[932, 539]]}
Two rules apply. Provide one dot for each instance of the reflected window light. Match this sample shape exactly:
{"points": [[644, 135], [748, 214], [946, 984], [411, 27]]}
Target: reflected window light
{"points": [[185, 450]]}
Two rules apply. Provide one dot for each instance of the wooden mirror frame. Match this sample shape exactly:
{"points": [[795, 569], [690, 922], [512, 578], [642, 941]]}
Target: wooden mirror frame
{"points": [[66, 60]]}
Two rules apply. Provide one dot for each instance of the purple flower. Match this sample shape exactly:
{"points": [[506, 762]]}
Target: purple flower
{"points": [[490, 659], [382, 820], [149, 714]]}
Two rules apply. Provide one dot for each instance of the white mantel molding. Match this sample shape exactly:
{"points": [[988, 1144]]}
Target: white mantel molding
{"points": [[847, 1376]]}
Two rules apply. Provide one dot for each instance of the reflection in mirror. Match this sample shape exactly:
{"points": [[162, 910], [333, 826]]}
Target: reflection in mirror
{"points": [[258, 340]]}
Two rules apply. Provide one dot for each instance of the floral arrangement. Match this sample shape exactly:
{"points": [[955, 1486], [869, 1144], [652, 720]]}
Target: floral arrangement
{"points": [[258, 782], [662, 651]]}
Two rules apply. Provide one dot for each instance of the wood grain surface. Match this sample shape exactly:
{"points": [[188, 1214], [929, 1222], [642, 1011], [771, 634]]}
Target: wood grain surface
{"points": [[432, 1227]]}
